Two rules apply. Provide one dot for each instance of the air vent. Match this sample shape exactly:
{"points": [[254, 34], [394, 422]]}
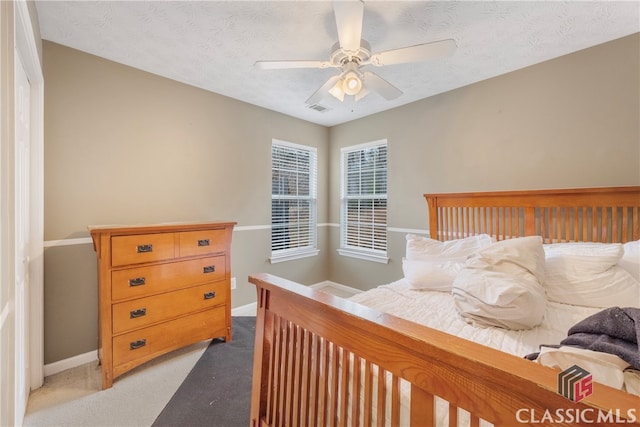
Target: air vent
{"points": [[318, 107]]}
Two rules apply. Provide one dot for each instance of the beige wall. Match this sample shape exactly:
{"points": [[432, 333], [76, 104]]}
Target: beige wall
{"points": [[569, 122], [8, 306], [122, 147]]}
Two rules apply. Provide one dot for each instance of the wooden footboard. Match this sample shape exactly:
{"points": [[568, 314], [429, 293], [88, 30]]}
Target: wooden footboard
{"points": [[318, 360]]}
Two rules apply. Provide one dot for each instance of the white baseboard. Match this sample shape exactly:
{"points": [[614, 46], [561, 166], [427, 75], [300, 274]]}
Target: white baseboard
{"points": [[245, 310], [72, 362]]}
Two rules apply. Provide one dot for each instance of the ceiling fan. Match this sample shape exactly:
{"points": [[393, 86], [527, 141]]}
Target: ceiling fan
{"points": [[351, 53]]}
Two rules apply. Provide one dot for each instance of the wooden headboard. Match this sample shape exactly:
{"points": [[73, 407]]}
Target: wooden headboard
{"points": [[603, 214]]}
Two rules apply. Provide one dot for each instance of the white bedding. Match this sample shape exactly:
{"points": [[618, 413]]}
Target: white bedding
{"points": [[436, 310], [418, 299]]}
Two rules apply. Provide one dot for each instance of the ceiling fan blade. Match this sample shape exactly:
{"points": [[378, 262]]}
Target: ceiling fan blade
{"points": [[378, 84], [421, 52], [363, 92], [278, 65], [349, 15], [323, 91]]}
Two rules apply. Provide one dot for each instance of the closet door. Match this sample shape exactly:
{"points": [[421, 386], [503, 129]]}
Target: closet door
{"points": [[22, 238]]}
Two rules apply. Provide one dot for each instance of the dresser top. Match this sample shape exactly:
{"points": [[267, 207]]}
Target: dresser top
{"points": [[116, 229]]}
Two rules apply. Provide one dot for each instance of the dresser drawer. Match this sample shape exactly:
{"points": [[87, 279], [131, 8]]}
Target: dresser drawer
{"points": [[141, 312], [148, 280], [148, 342], [192, 243], [141, 248]]}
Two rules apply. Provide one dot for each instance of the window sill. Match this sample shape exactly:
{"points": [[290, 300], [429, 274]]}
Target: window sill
{"points": [[367, 256], [274, 259]]}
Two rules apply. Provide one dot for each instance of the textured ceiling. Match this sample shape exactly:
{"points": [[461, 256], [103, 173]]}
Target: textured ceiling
{"points": [[214, 44]]}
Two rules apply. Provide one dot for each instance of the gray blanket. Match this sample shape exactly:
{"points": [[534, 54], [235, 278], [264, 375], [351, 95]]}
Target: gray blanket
{"points": [[614, 330]]}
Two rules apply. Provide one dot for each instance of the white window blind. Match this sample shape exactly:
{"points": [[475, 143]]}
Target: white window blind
{"points": [[293, 200], [364, 200]]}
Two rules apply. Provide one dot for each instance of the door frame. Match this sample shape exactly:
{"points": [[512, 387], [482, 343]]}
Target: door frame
{"points": [[25, 45]]}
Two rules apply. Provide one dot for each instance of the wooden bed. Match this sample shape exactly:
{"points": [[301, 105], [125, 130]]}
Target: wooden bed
{"points": [[308, 342]]}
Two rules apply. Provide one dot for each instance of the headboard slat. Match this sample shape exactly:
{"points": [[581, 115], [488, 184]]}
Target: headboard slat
{"points": [[602, 214]]}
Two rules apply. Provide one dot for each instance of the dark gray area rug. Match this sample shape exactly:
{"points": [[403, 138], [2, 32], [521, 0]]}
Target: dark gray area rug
{"points": [[217, 391]]}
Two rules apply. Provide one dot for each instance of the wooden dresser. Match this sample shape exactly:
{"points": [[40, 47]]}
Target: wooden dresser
{"points": [[161, 287]]}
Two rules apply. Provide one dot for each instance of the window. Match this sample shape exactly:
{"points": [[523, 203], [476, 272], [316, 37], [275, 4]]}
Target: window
{"points": [[364, 201], [293, 201]]}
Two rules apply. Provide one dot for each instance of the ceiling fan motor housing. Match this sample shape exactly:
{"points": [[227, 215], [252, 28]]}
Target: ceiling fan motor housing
{"points": [[339, 57]]}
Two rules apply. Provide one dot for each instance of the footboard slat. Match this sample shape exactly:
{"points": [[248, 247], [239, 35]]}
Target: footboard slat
{"points": [[345, 374], [333, 394], [395, 401], [283, 379], [305, 386], [324, 382], [273, 378], [368, 393], [288, 372], [453, 416], [422, 407], [314, 397], [356, 394], [381, 397], [294, 354], [390, 367]]}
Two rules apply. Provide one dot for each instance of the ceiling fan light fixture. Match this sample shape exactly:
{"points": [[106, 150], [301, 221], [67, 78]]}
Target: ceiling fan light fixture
{"points": [[351, 84]]}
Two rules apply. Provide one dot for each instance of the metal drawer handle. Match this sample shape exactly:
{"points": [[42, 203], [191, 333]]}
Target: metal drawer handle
{"points": [[209, 295], [137, 281], [145, 248], [137, 313], [137, 344], [209, 269], [204, 242]]}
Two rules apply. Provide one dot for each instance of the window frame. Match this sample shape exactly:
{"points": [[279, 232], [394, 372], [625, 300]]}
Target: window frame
{"points": [[288, 254], [368, 254]]}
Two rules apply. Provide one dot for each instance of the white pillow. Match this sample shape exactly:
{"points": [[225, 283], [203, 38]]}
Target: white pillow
{"points": [[430, 264], [433, 275], [630, 260], [585, 257], [424, 248], [500, 285], [588, 274]]}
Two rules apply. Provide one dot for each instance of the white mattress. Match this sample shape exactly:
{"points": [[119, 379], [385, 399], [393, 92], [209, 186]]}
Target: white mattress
{"points": [[437, 310]]}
